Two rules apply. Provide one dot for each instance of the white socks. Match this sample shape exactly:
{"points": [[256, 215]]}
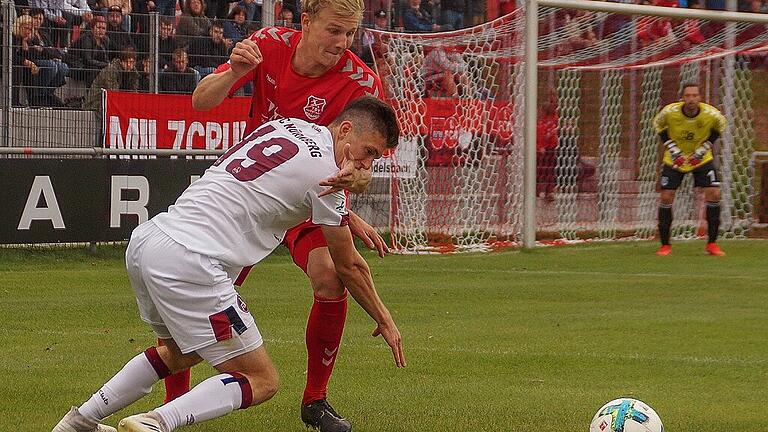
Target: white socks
{"points": [[214, 397], [134, 381]]}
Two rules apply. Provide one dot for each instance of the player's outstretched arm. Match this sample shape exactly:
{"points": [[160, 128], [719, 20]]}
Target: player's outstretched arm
{"points": [[215, 87], [365, 232], [356, 276]]}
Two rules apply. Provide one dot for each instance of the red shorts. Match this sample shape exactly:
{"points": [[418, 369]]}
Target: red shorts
{"points": [[301, 240]]}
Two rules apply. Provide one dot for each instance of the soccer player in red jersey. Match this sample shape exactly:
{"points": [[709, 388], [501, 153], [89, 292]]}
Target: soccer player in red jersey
{"points": [[309, 74]]}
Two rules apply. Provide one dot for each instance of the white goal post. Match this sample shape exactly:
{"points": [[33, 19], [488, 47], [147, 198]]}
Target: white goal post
{"points": [[537, 124]]}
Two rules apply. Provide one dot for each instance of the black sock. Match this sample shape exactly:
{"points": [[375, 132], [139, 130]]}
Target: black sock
{"points": [[713, 220], [665, 222]]}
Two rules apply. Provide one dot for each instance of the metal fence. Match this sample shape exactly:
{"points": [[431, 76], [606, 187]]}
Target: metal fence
{"points": [[55, 63]]}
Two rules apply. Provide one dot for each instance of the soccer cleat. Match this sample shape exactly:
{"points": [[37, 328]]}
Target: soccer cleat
{"points": [[139, 423], [713, 249], [320, 415], [72, 418], [664, 250]]}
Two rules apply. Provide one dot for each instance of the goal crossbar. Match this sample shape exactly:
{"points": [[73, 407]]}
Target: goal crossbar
{"points": [[659, 11]]}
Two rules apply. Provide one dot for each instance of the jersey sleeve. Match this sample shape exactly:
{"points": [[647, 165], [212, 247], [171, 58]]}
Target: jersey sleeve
{"points": [[660, 121], [376, 90], [719, 124], [329, 210]]}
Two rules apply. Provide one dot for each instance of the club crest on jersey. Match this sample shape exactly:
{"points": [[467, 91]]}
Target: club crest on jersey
{"points": [[314, 107]]}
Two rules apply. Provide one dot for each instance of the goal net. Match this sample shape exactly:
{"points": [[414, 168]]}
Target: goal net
{"points": [[456, 181]]}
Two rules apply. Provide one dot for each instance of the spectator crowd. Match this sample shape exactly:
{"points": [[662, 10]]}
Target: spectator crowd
{"points": [[65, 51]]}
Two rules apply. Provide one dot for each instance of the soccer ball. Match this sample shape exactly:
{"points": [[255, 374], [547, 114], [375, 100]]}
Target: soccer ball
{"points": [[626, 415]]}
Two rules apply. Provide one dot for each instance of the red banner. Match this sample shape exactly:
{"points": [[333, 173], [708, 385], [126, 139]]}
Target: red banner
{"points": [[141, 120]]}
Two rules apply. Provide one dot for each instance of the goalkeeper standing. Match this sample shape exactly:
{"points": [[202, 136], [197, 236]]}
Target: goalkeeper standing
{"points": [[688, 130]]}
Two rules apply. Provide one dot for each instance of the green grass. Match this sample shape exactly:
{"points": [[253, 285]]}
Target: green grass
{"points": [[509, 341]]}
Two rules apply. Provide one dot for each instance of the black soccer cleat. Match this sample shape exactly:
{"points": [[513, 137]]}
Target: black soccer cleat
{"points": [[320, 415]]}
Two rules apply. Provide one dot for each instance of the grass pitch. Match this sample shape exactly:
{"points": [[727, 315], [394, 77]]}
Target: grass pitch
{"points": [[507, 341]]}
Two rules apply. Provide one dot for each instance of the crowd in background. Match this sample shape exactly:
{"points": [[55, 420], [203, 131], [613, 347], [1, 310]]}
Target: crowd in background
{"points": [[66, 51]]}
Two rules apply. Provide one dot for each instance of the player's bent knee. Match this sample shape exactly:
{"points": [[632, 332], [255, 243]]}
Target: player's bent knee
{"points": [[264, 386], [328, 285], [322, 275], [258, 368]]}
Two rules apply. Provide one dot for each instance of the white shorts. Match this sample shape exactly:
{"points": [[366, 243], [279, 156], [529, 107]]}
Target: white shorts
{"points": [[188, 297]]}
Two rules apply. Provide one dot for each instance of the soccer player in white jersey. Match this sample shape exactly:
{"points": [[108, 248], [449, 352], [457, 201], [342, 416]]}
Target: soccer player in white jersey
{"points": [[182, 263]]}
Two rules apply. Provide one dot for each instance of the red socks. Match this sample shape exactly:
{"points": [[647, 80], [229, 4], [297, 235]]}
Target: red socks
{"points": [[324, 330], [176, 384]]}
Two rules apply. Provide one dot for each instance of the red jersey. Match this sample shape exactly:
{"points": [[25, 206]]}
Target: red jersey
{"points": [[278, 91]]}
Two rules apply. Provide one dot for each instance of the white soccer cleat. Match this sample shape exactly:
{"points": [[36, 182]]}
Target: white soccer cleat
{"points": [[72, 418], [139, 423]]}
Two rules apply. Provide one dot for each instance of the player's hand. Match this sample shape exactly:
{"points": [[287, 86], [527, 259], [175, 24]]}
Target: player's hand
{"points": [[678, 159], [349, 177], [245, 56], [362, 230], [699, 153], [388, 330]]}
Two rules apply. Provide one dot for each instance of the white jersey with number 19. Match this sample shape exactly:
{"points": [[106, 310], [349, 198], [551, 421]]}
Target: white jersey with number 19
{"points": [[239, 210]]}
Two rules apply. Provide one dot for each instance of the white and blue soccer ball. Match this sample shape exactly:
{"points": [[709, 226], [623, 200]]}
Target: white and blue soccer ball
{"points": [[626, 415]]}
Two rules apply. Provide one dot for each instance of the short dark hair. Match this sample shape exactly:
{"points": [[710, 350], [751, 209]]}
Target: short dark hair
{"points": [[685, 85], [376, 114], [217, 24], [179, 53], [36, 11]]}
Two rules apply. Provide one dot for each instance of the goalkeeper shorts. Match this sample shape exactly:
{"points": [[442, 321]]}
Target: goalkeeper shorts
{"points": [[706, 175]]}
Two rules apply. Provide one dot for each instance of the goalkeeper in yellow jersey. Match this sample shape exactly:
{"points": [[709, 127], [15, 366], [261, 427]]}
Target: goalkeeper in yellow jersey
{"points": [[688, 130]]}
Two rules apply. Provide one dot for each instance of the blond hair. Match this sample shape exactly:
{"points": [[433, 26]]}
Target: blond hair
{"points": [[346, 8], [20, 21]]}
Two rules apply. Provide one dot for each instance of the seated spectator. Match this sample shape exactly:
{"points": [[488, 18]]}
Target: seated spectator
{"points": [[178, 78], [55, 21], [167, 42], [123, 6], [144, 66], [235, 29], [286, 18], [252, 11], [206, 54], [193, 22], [119, 39], [53, 70], [25, 71], [120, 74], [445, 75], [88, 55], [452, 13], [417, 19]]}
